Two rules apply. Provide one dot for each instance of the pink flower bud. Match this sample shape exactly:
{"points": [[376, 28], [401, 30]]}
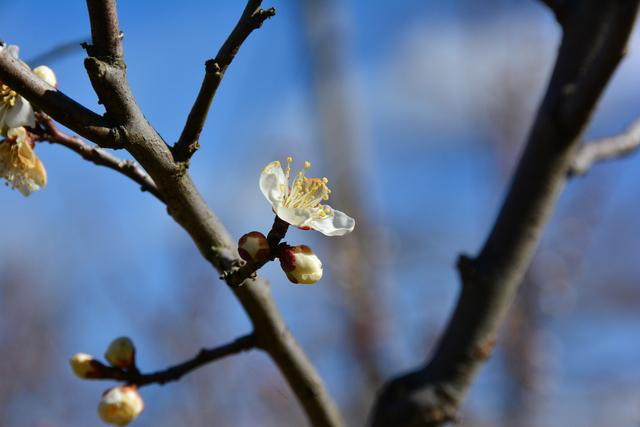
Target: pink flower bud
{"points": [[120, 405], [300, 264], [253, 247], [121, 353]]}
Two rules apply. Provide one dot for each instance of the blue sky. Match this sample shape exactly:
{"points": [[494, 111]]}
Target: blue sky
{"points": [[424, 79]]}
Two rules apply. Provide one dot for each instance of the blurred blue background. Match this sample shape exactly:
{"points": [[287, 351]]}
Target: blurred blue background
{"points": [[416, 111]]}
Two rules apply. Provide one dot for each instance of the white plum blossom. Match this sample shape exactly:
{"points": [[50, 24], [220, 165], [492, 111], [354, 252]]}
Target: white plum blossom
{"points": [[15, 111], [19, 164], [299, 201]]}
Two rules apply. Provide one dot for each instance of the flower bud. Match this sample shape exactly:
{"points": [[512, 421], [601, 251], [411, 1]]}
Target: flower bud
{"points": [[300, 264], [254, 247], [120, 405], [85, 366], [121, 353], [46, 74]]}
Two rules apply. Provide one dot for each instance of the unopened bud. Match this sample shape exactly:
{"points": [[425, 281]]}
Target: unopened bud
{"points": [[121, 353], [254, 247], [86, 367], [46, 74], [300, 264], [120, 405]]}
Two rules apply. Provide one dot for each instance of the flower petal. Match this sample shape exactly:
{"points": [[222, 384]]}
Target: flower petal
{"points": [[336, 224], [20, 114], [295, 216], [13, 50], [273, 184]]}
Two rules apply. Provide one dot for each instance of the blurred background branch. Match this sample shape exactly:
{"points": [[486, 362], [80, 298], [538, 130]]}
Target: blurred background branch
{"points": [[608, 148]]}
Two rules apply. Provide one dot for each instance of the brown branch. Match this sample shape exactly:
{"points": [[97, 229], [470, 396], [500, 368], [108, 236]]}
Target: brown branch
{"points": [[188, 208], [594, 40], [606, 149], [174, 373], [251, 19], [98, 156], [105, 30], [184, 203], [59, 106]]}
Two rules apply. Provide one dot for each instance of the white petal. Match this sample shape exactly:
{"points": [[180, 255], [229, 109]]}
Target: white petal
{"points": [[273, 184], [13, 50], [3, 114], [337, 224], [294, 216], [20, 114]]}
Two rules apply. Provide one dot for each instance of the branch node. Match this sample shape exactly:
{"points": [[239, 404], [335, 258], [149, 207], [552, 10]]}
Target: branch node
{"points": [[483, 350]]}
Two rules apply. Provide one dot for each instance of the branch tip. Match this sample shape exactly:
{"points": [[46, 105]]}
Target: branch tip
{"points": [[251, 19]]}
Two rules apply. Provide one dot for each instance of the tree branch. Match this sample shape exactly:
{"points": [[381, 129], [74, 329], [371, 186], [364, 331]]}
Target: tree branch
{"points": [[594, 40], [59, 106], [188, 208], [128, 127], [98, 156], [174, 373], [105, 30], [605, 149], [251, 19]]}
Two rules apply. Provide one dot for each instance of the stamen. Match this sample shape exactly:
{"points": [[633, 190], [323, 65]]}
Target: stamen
{"points": [[306, 193], [7, 95]]}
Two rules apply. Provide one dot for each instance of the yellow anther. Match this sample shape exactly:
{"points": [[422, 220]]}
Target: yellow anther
{"points": [[8, 95], [325, 180], [289, 159], [307, 164]]}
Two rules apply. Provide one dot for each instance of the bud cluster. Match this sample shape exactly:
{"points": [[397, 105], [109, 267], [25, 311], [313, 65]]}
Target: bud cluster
{"points": [[121, 404], [300, 264]]}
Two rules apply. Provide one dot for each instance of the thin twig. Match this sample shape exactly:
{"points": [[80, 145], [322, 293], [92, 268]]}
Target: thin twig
{"points": [[251, 19], [98, 156], [174, 373], [605, 149]]}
